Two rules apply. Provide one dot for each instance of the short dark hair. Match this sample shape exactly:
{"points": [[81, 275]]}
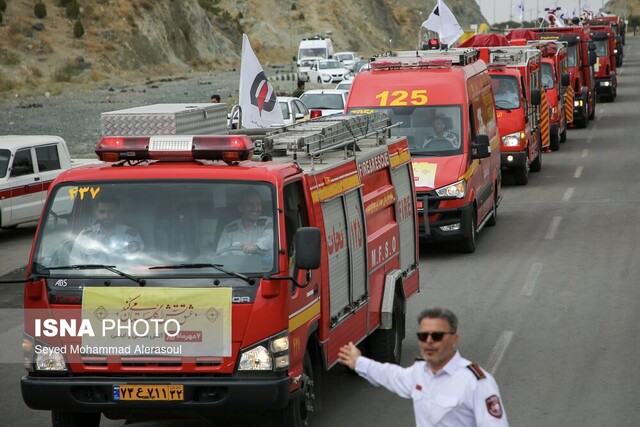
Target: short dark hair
{"points": [[216, 97], [440, 313]]}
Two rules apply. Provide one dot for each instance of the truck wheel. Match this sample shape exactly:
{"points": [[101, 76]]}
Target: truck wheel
{"points": [[581, 123], [554, 142], [563, 135], [522, 175], [494, 210], [300, 408], [385, 345], [468, 245], [75, 419], [593, 112]]}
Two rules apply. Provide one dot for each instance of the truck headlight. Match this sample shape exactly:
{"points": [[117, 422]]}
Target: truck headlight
{"points": [[457, 190], [271, 354], [513, 139], [578, 103], [49, 359], [256, 359]]}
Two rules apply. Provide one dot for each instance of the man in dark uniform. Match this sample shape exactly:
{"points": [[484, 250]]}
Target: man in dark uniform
{"points": [[440, 134], [106, 241], [251, 233], [447, 390]]}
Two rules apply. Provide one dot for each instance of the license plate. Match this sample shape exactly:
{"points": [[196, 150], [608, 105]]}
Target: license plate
{"points": [[148, 392]]}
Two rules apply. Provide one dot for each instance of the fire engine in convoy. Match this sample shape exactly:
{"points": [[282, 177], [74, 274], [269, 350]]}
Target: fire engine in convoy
{"points": [[605, 67], [335, 261], [580, 60], [443, 102], [522, 112]]}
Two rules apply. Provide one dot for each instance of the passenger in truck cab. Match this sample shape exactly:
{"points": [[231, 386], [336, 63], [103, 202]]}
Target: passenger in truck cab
{"points": [[251, 233], [107, 240], [441, 137]]}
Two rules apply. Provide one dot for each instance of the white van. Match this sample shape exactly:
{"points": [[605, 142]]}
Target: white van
{"points": [[315, 47]]}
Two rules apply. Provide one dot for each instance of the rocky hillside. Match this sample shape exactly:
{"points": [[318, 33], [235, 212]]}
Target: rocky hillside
{"points": [[134, 40]]}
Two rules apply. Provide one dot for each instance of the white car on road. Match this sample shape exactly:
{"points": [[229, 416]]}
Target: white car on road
{"points": [[303, 68], [293, 109], [346, 58], [327, 71], [329, 101]]}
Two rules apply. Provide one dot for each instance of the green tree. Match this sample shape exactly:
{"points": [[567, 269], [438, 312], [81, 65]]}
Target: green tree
{"points": [[634, 22], [3, 6], [78, 29], [40, 10]]}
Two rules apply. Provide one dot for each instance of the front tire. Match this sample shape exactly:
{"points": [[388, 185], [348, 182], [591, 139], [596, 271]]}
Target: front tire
{"points": [[468, 245], [300, 409], [75, 419]]}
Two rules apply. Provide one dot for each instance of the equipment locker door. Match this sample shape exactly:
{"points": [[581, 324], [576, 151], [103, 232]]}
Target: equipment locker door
{"points": [[401, 177], [337, 252]]}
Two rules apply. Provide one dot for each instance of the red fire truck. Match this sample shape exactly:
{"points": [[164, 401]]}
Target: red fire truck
{"points": [[605, 67], [443, 103], [618, 26], [258, 271], [580, 60], [523, 114]]}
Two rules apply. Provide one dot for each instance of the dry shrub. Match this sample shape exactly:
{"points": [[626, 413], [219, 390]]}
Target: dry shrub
{"points": [[92, 31], [96, 75], [93, 45], [35, 71]]}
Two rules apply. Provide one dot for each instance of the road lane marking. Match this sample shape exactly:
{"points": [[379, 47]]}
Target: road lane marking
{"points": [[578, 172], [585, 153], [567, 194], [553, 228], [589, 138], [532, 279], [498, 351]]}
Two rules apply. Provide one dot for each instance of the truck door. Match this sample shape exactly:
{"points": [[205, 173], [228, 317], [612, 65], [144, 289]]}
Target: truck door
{"points": [[26, 192]]}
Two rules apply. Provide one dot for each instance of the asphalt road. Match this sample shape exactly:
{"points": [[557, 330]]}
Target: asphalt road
{"points": [[547, 303]]}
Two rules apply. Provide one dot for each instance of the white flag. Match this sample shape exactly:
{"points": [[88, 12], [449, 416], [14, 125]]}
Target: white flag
{"points": [[258, 101], [444, 23]]}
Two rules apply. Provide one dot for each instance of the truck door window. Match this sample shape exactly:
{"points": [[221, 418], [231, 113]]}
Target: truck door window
{"points": [[295, 216], [22, 163], [47, 157]]}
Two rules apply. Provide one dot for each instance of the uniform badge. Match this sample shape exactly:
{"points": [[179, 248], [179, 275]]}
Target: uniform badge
{"points": [[494, 407]]}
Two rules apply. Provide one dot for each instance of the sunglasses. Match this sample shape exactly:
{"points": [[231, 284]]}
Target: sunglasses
{"points": [[435, 336]]}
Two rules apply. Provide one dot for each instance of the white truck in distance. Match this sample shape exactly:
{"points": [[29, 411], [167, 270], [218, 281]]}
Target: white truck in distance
{"points": [[28, 164]]}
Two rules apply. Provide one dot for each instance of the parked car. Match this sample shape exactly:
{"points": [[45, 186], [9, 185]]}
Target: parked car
{"points": [[359, 65], [327, 71], [329, 101], [346, 58], [303, 68], [293, 109]]}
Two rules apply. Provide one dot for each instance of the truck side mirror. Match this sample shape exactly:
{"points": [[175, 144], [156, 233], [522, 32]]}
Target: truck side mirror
{"points": [[307, 244], [480, 149], [536, 96], [566, 79], [592, 57]]}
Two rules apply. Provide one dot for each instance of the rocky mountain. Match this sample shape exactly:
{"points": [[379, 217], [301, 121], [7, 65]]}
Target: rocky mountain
{"points": [[133, 40]]}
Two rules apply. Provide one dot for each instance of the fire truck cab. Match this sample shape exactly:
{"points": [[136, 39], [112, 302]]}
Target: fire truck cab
{"points": [[266, 254], [523, 120], [442, 102], [606, 75]]}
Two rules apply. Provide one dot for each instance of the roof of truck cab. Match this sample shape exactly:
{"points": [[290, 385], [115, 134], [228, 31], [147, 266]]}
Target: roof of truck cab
{"points": [[15, 142]]}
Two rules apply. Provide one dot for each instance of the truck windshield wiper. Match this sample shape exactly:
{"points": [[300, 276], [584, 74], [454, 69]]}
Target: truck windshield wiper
{"points": [[218, 267], [111, 268]]}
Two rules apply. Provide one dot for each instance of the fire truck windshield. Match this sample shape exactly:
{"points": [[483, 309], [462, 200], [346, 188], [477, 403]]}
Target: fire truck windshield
{"points": [[208, 228], [601, 47], [433, 130]]}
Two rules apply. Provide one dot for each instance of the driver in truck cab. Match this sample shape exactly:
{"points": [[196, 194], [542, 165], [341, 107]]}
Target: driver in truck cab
{"points": [[439, 133], [251, 233], [107, 240]]}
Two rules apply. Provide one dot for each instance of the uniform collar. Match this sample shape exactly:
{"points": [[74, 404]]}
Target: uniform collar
{"points": [[453, 365]]}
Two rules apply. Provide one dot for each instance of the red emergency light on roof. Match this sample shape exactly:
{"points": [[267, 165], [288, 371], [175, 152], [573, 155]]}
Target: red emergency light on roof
{"points": [[228, 148], [386, 65], [433, 44]]}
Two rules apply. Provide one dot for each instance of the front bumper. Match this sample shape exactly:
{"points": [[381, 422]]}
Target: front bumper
{"points": [[442, 215], [513, 160], [605, 86], [202, 394]]}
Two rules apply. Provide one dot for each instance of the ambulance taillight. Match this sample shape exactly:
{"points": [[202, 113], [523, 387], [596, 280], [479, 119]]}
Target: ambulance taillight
{"points": [[229, 149]]}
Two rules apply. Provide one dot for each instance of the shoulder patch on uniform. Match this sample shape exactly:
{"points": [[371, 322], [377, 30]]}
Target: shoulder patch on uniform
{"points": [[477, 371], [263, 221], [494, 406], [231, 227]]}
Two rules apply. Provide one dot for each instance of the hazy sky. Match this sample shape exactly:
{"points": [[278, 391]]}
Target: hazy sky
{"points": [[501, 10]]}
